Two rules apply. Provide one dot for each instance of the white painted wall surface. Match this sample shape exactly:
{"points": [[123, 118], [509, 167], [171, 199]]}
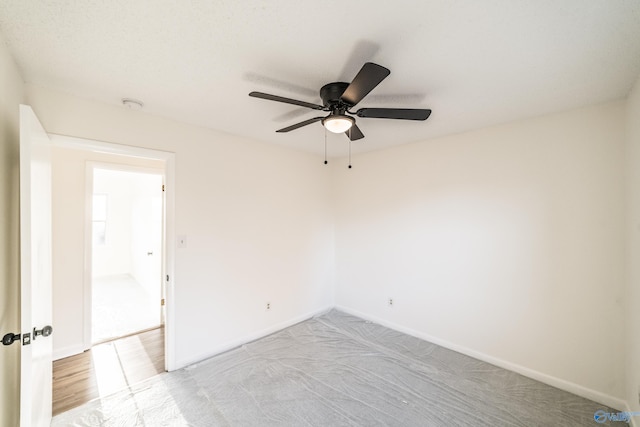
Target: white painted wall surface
{"points": [[12, 90], [258, 222], [115, 256], [632, 169], [506, 242], [134, 226]]}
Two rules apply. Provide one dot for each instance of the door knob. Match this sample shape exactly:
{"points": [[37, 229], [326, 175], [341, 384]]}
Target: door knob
{"points": [[45, 332], [9, 338]]}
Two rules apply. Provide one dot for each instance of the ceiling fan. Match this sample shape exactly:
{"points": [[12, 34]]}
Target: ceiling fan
{"points": [[338, 98]]}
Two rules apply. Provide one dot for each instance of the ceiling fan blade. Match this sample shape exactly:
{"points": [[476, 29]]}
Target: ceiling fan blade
{"points": [[369, 76], [285, 100], [299, 125], [354, 133], [394, 113]]}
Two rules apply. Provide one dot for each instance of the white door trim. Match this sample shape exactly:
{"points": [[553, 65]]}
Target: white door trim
{"points": [[64, 141]]}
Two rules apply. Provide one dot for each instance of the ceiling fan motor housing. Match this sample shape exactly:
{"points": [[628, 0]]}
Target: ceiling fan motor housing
{"points": [[331, 93]]}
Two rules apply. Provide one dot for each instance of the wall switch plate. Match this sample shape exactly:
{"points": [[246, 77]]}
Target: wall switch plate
{"points": [[182, 241]]}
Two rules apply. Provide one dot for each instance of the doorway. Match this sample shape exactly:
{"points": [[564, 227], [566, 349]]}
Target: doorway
{"points": [[129, 359], [126, 234], [74, 181]]}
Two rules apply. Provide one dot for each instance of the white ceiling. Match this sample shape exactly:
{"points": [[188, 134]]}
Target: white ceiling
{"points": [[474, 63]]}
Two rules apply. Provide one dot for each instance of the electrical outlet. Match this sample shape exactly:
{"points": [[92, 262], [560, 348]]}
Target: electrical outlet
{"points": [[390, 302], [268, 306]]}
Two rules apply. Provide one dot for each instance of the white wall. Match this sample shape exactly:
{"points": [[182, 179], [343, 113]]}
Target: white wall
{"points": [[114, 257], [632, 169], [505, 243], [12, 90], [133, 227], [257, 218]]}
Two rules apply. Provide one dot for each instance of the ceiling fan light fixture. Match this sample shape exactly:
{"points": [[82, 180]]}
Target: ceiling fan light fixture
{"points": [[338, 123]]}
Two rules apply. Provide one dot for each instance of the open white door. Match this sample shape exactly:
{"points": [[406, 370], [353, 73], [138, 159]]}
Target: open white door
{"points": [[35, 271]]}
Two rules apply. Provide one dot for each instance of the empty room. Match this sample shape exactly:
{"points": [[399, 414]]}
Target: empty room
{"points": [[320, 214]]}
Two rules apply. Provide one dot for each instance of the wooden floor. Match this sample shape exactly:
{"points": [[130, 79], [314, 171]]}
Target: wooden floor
{"points": [[107, 368]]}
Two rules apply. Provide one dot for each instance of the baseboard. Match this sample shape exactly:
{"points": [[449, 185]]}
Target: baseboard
{"points": [[67, 351], [568, 386], [251, 337], [632, 422]]}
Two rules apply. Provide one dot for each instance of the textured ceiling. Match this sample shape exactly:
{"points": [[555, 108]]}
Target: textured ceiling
{"points": [[474, 63]]}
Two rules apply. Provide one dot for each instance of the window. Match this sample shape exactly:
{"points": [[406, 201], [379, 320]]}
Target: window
{"points": [[99, 219]]}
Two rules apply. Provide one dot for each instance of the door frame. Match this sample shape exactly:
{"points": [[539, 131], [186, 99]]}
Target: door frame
{"points": [[90, 167], [168, 260]]}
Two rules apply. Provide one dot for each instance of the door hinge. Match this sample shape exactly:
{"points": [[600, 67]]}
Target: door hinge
{"points": [[162, 301], [162, 187]]}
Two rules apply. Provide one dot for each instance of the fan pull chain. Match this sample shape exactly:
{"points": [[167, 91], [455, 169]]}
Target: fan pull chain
{"points": [[349, 148], [325, 146]]}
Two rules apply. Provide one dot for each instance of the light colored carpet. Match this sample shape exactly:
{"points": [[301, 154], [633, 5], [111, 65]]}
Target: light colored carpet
{"points": [[338, 370], [121, 306]]}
